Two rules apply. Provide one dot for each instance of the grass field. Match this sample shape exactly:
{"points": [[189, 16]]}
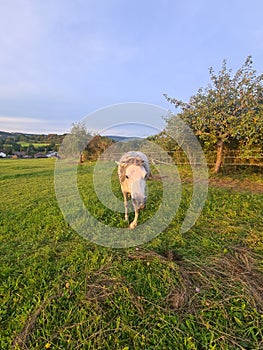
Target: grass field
{"points": [[36, 145], [198, 290]]}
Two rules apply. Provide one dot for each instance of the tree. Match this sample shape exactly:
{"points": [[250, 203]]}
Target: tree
{"points": [[31, 150], [76, 141], [96, 146], [231, 107], [52, 146]]}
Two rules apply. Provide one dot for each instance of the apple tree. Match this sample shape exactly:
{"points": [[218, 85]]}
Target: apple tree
{"points": [[229, 108]]}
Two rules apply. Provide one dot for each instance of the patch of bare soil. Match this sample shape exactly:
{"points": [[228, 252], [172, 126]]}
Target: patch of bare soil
{"points": [[237, 185]]}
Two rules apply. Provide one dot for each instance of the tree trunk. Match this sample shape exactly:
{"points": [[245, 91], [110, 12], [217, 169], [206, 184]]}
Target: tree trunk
{"points": [[80, 158], [219, 156]]}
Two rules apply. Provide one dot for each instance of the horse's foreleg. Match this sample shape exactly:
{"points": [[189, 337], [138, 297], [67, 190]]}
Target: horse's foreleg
{"points": [[134, 223], [125, 196]]}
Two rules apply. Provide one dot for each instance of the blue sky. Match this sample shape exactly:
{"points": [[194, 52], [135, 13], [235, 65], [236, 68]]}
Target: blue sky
{"points": [[61, 60]]}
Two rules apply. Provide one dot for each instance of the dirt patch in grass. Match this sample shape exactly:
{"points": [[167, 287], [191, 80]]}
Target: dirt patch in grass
{"points": [[237, 185], [241, 185]]}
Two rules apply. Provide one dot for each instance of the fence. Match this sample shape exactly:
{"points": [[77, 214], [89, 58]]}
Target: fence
{"points": [[179, 157]]}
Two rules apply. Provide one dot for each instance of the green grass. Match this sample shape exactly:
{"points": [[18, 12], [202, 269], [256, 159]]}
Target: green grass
{"points": [[197, 290], [35, 144]]}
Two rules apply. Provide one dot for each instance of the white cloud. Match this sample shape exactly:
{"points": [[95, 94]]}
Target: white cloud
{"points": [[20, 120], [20, 124], [32, 125]]}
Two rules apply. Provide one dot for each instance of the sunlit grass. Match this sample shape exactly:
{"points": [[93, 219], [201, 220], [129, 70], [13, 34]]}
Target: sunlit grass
{"points": [[197, 290]]}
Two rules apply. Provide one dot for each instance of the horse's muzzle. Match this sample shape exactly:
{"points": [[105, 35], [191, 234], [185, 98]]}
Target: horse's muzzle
{"points": [[139, 204]]}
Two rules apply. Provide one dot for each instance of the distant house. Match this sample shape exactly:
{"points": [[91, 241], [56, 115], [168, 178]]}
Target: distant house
{"points": [[40, 155], [53, 154], [2, 155], [19, 154]]}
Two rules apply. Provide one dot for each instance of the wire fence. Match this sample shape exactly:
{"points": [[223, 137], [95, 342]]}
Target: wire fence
{"points": [[178, 157]]}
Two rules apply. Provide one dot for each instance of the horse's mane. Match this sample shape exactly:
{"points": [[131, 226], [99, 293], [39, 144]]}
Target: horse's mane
{"points": [[135, 158]]}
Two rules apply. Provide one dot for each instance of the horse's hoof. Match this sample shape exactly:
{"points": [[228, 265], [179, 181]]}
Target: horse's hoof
{"points": [[133, 225]]}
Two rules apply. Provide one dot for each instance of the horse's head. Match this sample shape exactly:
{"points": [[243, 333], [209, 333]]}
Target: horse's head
{"points": [[135, 182]]}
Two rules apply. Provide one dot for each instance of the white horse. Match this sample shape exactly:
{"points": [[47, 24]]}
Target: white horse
{"points": [[133, 171]]}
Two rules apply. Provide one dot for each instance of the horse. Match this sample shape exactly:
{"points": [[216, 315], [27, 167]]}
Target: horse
{"points": [[133, 171]]}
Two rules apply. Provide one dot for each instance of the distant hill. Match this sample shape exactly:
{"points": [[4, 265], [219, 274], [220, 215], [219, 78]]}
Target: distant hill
{"points": [[29, 145], [8, 134], [5, 134], [20, 136], [123, 138]]}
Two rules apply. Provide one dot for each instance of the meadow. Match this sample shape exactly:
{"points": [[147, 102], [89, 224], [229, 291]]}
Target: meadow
{"points": [[196, 290], [36, 145]]}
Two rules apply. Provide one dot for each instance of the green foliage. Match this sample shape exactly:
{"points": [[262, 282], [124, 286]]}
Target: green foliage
{"points": [[229, 110], [75, 142], [198, 290], [31, 138], [96, 146]]}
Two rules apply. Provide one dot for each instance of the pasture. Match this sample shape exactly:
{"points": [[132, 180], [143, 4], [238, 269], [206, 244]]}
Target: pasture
{"points": [[36, 145], [198, 290]]}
